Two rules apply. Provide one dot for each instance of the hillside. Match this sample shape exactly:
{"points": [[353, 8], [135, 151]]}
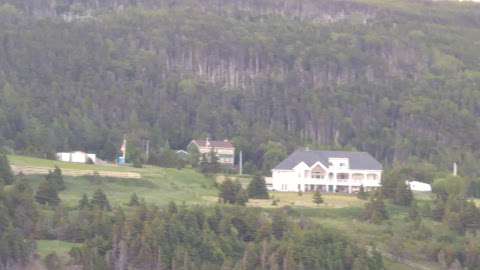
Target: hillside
{"points": [[398, 79], [161, 186], [158, 186]]}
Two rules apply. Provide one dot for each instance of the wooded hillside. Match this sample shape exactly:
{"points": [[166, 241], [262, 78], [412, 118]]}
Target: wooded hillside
{"points": [[395, 78]]}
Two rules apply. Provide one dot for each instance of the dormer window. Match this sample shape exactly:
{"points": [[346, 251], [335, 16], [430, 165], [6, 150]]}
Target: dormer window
{"points": [[342, 163]]}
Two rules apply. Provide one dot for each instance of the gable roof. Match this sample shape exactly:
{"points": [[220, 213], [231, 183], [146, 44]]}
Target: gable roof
{"points": [[357, 160], [214, 144]]}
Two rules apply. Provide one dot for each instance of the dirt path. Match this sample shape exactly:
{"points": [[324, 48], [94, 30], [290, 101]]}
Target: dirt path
{"points": [[31, 170]]}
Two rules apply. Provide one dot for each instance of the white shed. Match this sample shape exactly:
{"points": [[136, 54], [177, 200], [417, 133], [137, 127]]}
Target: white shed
{"points": [[76, 157], [419, 186]]}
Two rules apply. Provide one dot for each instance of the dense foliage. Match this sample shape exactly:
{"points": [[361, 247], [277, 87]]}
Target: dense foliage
{"points": [[257, 188], [398, 79], [218, 238]]}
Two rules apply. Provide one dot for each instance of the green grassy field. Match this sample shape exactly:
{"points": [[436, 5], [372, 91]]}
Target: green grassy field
{"points": [[157, 185], [38, 162], [61, 248], [179, 186], [306, 200]]}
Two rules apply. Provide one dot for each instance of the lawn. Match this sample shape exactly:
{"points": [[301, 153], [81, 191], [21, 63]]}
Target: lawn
{"points": [[61, 248], [157, 185], [170, 185], [306, 200], [47, 163]]}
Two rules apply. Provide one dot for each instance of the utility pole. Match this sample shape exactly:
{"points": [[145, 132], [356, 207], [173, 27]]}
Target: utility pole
{"points": [[240, 163], [147, 149], [455, 170]]}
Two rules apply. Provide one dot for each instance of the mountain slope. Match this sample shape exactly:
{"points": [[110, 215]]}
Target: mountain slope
{"points": [[397, 79]]}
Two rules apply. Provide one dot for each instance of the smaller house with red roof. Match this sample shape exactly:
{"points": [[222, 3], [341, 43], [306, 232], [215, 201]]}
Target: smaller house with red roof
{"points": [[224, 150]]}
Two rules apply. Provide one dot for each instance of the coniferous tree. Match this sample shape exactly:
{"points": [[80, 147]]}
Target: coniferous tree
{"points": [[413, 214], [317, 197], [100, 200], [84, 203], [194, 156], [375, 211], [362, 195], [233, 192], [6, 174], [257, 188], [470, 216], [56, 178], [403, 194], [47, 193], [134, 201], [438, 209]]}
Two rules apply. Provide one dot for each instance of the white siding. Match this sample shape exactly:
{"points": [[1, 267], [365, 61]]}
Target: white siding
{"points": [[337, 177]]}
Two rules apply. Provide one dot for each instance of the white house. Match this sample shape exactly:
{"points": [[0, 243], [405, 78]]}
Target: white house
{"points": [[419, 186], [327, 171], [76, 157]]}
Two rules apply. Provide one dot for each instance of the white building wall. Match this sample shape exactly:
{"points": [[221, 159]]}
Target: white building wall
{"points": [[419, 186], [296, 179], [76, 157]]}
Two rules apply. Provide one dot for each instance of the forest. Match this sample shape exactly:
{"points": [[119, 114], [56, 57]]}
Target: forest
{"points": [[398, 79]]}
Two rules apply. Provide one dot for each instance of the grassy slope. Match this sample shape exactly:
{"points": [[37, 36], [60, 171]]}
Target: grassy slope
{"points": [[38, 162], [157, 186], [61, 248], [160, 186]]}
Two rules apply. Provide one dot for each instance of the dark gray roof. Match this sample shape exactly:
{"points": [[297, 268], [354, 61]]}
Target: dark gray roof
{"points": [[357, 160]]}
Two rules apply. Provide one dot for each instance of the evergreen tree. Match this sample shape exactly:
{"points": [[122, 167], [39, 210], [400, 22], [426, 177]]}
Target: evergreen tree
{"points": [[362, 195], [56, 178], [47, 193], [52, 261], [317, 197], [438, 209], [6, 174], [134, 200], [213, 160], [84, 203], [242, 197], [257, 188], [413, 211], [470, 216], [194, 155], [233, 192], [100, 200], [403, 194], [375, 211]]}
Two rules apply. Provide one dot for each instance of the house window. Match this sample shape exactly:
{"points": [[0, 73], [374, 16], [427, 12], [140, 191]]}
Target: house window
{"points": [[307, 175], [330, 175], [371, 176], [318, 172], [358, 176], [342, 176], [342, 164]]}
